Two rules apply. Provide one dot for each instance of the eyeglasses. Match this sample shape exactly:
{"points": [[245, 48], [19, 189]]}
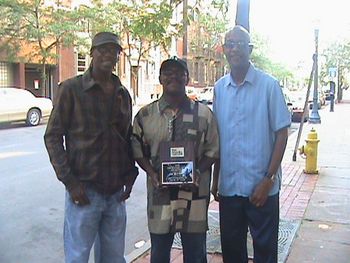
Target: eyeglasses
{"points": [[103, 50], [238, 44]]}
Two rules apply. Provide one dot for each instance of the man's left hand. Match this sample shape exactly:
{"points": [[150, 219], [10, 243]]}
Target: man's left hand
{"points": [[261, 192], [126, 192]]}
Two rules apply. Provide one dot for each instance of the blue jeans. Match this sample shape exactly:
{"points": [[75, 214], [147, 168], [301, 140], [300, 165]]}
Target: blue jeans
{"points": [[105, 217], [236, 215], [193, 245]]}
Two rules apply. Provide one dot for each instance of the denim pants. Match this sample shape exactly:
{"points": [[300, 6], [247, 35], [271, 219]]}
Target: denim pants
{"points": [[236, 215], [193, 245], [105, 217]]}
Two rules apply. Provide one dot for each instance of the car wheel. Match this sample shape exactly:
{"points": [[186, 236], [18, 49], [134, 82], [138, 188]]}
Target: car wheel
{"points": [[33, 117]]}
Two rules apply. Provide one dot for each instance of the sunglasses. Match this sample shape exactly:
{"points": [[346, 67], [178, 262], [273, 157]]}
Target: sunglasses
{"points": [[103, 50]]}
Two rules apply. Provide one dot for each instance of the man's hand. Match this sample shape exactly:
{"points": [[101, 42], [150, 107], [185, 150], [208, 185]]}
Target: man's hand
{"points": [[78, 195], [126, 192], [214, 192], [261, 192], [193, 186]]}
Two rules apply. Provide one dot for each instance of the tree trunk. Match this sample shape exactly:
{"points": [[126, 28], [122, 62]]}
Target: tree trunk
{"points": [[134, 80], [43, 80]]}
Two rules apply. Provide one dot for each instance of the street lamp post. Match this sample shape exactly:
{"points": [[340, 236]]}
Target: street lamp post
{"points": [[185, 25], [314, 116]]}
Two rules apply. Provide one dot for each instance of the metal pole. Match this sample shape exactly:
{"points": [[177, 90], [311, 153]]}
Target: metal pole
{"points": [[331, 108], [339, 90], [305, 107], [331, 95], [184, 44], [314, 116], [242, 13]]}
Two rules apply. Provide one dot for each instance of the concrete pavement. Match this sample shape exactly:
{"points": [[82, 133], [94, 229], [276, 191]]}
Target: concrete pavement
{"points": [[324, 235], [321, 202]]}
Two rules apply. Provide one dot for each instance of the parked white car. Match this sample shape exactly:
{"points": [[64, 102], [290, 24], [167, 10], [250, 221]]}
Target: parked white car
{"points": [[22, 105], [206, 95]]}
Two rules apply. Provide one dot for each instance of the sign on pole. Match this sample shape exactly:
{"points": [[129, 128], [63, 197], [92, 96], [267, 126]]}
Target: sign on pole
{"points": [[332, 72]]}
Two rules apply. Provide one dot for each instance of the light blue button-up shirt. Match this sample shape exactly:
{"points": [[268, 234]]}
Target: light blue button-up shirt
{"points": [[248, 116]]}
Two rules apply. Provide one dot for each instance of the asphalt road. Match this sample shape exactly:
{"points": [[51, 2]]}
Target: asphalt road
{"points": [[32, 200]]}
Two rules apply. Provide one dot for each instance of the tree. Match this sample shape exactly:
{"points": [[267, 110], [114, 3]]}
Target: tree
{"points": [[337, 55], [260, 58], [43, 28], [148, 26], [9, 26]]}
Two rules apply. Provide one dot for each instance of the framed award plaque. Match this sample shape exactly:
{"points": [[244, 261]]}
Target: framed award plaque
{"points": [[177, 163]]}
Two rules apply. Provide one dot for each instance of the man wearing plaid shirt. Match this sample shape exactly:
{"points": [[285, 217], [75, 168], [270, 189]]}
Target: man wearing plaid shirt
{"points": [[88, 141]]}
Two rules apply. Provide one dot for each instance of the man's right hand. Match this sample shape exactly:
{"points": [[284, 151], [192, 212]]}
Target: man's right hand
{"points": [[78, 195]]}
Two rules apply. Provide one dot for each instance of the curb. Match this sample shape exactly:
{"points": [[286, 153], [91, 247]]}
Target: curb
{"points": [[138, 252]]}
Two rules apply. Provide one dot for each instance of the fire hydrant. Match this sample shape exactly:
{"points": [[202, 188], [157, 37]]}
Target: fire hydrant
{"points": [[309, 152]]}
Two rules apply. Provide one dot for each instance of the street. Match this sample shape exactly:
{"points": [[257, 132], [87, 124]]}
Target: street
{"points": [[32, 200]]}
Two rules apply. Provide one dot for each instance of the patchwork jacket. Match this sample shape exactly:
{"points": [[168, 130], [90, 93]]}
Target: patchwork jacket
{"points": [[173, 209]]}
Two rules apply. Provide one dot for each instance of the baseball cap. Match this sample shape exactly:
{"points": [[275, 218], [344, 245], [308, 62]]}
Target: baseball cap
{"points": [[104, 38], [174, 60]]}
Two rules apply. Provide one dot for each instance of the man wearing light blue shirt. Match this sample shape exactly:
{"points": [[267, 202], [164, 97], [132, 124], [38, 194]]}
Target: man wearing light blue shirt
{"points": [[253, 122]]}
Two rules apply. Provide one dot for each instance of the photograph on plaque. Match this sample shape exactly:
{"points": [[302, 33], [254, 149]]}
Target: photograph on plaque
{"points": [[177, 163], [177, 173]]}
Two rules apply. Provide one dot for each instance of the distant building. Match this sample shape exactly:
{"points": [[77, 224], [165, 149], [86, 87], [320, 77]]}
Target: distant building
{"points": [[206, 61]]}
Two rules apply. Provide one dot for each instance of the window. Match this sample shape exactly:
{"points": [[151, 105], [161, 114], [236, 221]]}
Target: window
{"points": [[81, 63], [4, 74]]}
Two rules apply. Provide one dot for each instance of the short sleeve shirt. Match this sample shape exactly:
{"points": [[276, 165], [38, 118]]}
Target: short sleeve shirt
{"points": [[248, 116]]}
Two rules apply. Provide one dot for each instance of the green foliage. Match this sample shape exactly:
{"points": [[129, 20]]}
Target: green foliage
{"points": [[337, 55], [33, 22], [260, 58], [147, 25], [9, 26]]}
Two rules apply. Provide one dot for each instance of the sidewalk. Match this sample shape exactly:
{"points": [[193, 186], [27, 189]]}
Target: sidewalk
{"points": [[324, 235], [320, 204]]}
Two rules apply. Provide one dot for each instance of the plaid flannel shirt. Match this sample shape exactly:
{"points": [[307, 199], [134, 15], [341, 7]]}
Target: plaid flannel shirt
{"points": [[88, 135]]}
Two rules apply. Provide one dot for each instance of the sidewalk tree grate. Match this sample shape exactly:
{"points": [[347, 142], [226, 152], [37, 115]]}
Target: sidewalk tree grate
{"points": [[287, 231]]}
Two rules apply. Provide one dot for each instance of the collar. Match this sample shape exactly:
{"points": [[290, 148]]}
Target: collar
{"points": [[249, 77], [186, 106], [89, 82]]}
